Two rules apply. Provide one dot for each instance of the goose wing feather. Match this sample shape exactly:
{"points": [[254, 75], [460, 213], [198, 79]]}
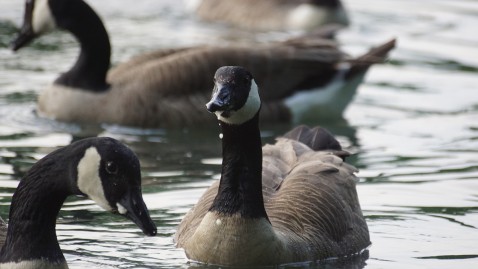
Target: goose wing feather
{"points": [[314, 201], [305, 62], [188, 71], [141, 59]]}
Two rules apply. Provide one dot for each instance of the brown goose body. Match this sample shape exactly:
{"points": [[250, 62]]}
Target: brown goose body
{"points": [[312, 205], [292, 201], [271, 14], [169, 87]]}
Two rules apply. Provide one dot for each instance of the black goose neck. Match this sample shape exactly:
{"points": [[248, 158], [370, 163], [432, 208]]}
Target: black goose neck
{"points": [[240, 188], [34, 209], [90, 69]]}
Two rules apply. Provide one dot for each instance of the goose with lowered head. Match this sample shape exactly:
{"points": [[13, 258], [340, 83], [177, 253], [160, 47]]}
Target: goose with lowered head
{"points": [[292, 201], [102, 169]]}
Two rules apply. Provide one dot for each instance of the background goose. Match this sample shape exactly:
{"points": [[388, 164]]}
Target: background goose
{"points": [[167, 88], [288, 202], [101, 168], [271, 14]]}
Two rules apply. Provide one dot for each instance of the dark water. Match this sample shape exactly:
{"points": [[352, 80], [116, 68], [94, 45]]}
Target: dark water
{"points": [[413, 126]]}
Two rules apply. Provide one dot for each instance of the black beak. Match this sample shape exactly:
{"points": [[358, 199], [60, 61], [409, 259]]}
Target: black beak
{"points": [[137, 211], [221, 100], [25, 36]]}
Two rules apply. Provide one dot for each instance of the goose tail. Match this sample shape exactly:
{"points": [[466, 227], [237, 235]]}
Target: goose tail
{"points": [[375, 55]]}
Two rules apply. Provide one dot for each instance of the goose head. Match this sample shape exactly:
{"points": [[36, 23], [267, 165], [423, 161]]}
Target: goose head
{"points": [[100, 168], [44, 16], [109, 173], [37, 20], [235, 97]]}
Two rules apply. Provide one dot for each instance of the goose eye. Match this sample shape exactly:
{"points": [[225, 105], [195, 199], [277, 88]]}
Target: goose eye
{"points": [[111, 168]]}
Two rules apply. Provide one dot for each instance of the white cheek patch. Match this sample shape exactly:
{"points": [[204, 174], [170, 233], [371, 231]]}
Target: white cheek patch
{"points": [[42, 20], [246, 112], [89, 181]]}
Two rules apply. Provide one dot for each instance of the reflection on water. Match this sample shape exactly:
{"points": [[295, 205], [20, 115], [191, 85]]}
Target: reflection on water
{"points": [[413, 128]]}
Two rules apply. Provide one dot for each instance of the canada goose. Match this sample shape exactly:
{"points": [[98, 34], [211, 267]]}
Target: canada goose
{"points": [[102, 169], [165, 88], [288, 202], [271, 14]]}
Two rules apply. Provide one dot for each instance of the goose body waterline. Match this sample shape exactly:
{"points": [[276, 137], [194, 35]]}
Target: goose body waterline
{"points": [[167, 87], [102, 169], [292, 201]]}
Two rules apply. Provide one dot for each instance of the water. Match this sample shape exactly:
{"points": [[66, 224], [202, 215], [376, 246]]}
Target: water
{"points": [[413, 127]]}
